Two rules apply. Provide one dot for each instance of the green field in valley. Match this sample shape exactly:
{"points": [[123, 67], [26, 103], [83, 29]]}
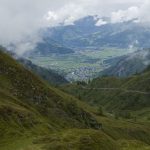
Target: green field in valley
{"points": [[81, 65]]}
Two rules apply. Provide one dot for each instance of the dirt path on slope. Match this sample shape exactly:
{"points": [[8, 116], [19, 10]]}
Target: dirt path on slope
{"points": [[112, 89]]}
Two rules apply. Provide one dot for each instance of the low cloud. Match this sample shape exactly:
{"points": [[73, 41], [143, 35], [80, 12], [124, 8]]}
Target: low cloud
{"points": [[101, 22], [140, 13], [65, 15], [21, 20], [125, 15]]}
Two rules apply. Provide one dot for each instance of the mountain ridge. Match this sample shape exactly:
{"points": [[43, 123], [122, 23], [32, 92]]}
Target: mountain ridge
{"points": [[85, 34], [129, 65]]}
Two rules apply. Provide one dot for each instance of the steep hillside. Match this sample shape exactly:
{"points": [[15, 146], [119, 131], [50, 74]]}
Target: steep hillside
{"points": [[47, 74], [51, 76], [116, 94], [28, 88], [48, 47], [129, 64], [27, 103], [34, 115], [119, 98]]}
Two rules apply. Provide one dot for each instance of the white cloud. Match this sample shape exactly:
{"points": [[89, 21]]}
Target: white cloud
{"points": [[125, 15], [144, 13], [66, 15], [140, 13], [101, 22]]}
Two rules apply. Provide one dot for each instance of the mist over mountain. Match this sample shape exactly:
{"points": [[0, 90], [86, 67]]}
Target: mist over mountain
{"points": [[48, 47], [94, 34], [66, 43], [87, 33], [130, 64]]}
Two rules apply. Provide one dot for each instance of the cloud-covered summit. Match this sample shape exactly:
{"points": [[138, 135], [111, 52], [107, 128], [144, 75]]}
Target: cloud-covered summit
{"points": [[21, 20]]}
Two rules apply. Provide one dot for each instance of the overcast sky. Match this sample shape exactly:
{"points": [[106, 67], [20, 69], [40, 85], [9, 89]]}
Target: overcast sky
{"points": [[21, 19]]}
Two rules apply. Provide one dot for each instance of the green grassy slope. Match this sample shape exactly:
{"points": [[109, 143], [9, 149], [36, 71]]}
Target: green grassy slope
{"points": [[47, 74], [115, 94], [123, 97], [34, 115], [28, 105], [26, 86]]}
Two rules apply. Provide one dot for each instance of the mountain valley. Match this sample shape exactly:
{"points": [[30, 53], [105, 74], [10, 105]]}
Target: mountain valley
{"points": [[74, 75], [35, 115]]}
